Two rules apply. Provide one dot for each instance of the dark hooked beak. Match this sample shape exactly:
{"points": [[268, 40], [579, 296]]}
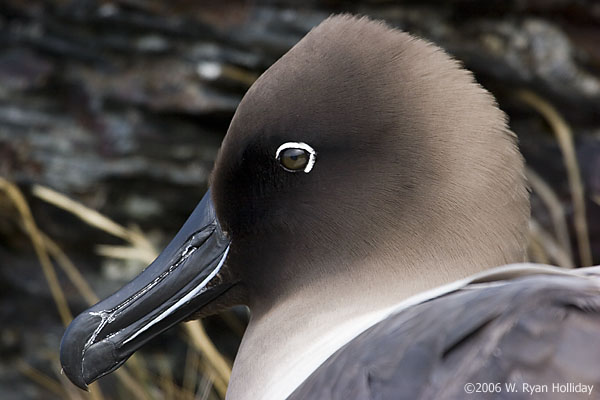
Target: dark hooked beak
{"points": [[183, 278]]}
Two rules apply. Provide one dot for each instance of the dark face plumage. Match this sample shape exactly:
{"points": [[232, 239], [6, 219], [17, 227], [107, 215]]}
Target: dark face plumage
{"points": [[338, 100], [321, 211]]}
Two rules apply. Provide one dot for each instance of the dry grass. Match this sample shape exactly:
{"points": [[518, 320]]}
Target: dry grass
{"points": [[544, 249], [220, 368], [564, 137], [18, 200], [139, 247], [50, 384], [560, 249]]}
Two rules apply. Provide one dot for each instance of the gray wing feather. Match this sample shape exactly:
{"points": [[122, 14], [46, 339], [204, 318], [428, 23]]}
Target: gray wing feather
{"points": [[537, 330]]}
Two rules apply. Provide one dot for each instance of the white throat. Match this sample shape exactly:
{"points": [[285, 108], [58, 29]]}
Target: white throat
{"points": [[283, 346]]}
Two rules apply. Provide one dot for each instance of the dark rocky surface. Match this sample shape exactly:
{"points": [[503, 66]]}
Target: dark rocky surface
{"points": [[122, 105]]}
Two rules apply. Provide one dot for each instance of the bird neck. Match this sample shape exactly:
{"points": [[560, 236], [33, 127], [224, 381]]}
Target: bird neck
{"points": [[327, 300], [287, 340]]}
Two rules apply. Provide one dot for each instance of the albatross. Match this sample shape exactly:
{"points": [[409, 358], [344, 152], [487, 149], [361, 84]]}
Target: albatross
{"points": [[368, 204]]}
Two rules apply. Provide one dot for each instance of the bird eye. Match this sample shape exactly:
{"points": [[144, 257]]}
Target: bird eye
{"points": [[294, 157]]}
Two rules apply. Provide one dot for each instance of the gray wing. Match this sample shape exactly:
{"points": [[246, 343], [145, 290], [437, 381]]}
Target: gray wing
{"points": [[537, 330]]}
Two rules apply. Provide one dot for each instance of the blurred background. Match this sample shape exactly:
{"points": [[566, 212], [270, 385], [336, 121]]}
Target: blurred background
{"points": [[111, 114]]}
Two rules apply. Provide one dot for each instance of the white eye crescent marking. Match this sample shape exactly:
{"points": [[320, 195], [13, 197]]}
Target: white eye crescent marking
{"points": [[312, 154]]}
